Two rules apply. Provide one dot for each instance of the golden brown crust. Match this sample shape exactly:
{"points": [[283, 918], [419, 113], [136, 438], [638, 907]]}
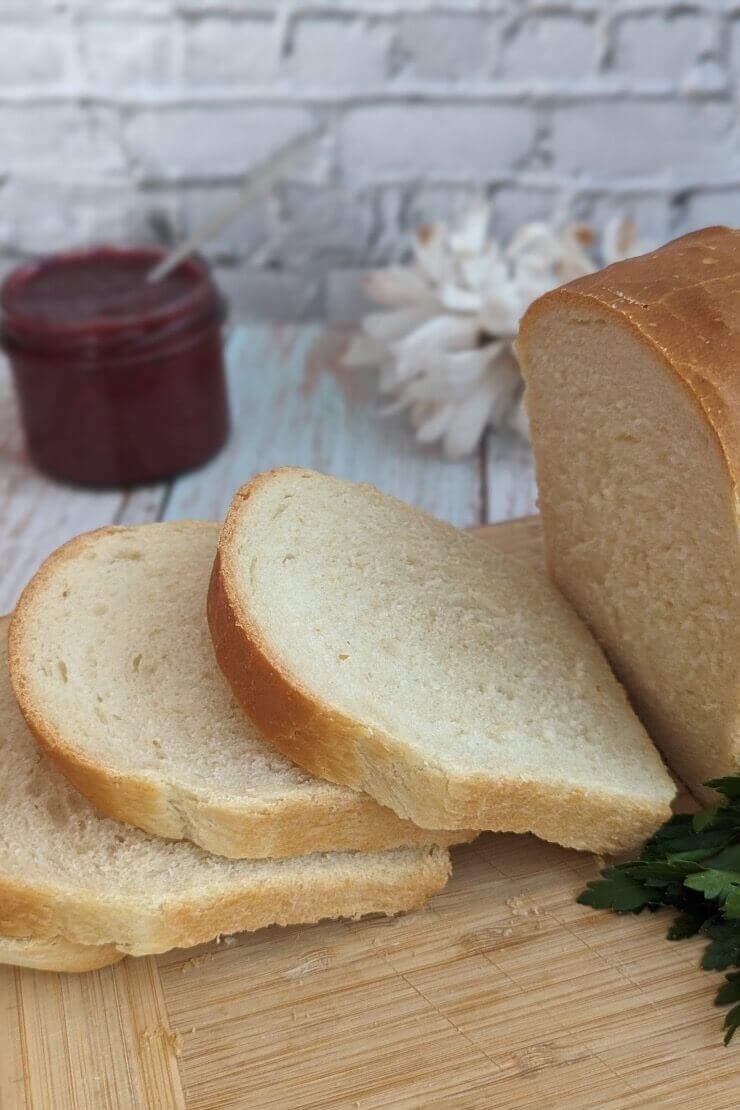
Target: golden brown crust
{"points": [[683, 301], [56, 954], [249, 829], [335, 747], [142, 928]]}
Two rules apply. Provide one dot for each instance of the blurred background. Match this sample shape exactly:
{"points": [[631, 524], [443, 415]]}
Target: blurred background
{"points": [[135, 119]]}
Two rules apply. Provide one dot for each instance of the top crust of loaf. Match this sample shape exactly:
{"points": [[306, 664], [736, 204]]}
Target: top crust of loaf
{"points": [[683, 300], [337, 746]]}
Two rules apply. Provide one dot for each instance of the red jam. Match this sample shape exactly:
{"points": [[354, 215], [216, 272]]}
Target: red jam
{"points": [[120, 380]]}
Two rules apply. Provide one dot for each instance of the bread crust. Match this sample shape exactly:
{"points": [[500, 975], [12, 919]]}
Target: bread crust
{"points": [[663, 297], [681, 303], [248, 829], [56, 954], [144, 927], [333, 746]]}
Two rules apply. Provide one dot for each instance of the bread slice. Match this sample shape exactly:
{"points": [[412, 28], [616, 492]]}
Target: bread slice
{"points": [[65, 871], [56, 954], [114, 670], [633, 387], [381, 648]]}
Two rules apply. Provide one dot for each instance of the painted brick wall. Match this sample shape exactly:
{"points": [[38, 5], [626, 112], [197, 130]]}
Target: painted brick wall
{"points": [[138, 117]]}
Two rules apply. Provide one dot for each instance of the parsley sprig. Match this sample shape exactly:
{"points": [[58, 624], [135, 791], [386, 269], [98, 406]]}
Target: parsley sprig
{"points": [[692, 865]]}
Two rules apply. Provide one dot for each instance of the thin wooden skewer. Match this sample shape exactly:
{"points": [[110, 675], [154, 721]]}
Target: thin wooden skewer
{"points": [[259, 182]]}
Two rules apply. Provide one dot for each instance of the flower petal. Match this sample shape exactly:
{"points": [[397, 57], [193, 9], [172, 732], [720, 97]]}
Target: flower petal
{"points": [[398, 286], [468, 422], [535, 238], [389, 327], [363, 351], [431, 422], [620, 241], [439, 333], [430, 250], [388, 379], [427, 389], [575, 261], [484, 272], [462, 366], [457, 299], [470, 236]]}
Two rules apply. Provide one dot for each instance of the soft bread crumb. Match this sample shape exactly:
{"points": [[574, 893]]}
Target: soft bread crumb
{"points": [[172, 1038], [471, 693]]}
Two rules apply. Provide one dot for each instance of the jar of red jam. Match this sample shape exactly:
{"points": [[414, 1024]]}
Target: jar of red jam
{"points": [[120, 380]]}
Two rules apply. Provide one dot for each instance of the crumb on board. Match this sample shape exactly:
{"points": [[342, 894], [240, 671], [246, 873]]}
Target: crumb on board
{"points": [[196, 961], [162, 1033], [521, 906]]}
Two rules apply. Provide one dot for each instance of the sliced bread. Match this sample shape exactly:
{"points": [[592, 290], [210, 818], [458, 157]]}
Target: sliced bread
{"points": [[65, 871], [383, 649], [56, 954], [633, 387], [113, 667]]}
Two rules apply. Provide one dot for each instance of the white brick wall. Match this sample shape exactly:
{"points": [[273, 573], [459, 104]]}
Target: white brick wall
{"points": [[136, 118]]}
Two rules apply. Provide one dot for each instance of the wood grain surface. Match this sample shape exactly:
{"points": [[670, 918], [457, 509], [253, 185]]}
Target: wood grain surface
{"points": [[501, 992]]}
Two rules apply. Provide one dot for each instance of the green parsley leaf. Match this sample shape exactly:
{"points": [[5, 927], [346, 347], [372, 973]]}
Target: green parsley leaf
{"points": [[729, 991], [714, 883], [615, 891], [690, 865], [732, 1024], [685, 925], [732, 906], [705, 818], [723, 949], [729, 786]]}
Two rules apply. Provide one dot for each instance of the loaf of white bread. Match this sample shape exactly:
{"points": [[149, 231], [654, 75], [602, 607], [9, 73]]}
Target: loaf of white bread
{"points": [[633, 392]]}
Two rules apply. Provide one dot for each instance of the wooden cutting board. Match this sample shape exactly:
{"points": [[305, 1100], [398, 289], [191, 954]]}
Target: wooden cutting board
{"points": [[501, 992]]}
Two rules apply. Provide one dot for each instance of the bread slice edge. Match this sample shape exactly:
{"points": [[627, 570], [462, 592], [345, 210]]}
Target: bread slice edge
{"points": [[56, 954], [333, 746], [146, 927]]}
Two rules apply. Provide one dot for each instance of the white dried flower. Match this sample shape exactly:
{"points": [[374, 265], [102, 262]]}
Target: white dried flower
{"points": [[443, 343]]}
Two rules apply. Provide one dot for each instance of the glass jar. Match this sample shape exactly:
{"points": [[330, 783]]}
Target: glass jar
{"points": [[119, 380]]}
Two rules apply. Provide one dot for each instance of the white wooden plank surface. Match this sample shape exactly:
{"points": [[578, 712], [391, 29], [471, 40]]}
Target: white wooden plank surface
{"points": [[38, 514], [510, 487], [293, 403]]}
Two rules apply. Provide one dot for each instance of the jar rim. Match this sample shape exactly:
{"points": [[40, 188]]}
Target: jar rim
{"points": [[19, 323]]}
